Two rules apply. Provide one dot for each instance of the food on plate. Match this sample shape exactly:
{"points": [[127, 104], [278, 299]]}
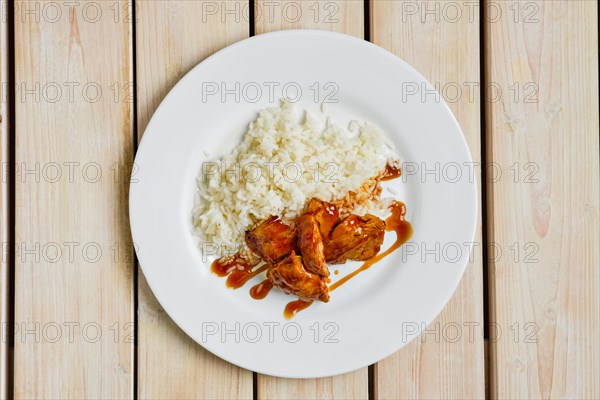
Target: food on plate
{"points": [[310, 243], [326, 214], [355, 238], [271, 240], [397, 223], [291, 277], [292, 229], [283, 160], [304, 272]]}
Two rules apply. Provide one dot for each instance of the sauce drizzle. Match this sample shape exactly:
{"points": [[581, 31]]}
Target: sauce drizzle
{"points": [[238, 278], [293, 307], [394, 222], [391, 172], [237, 270], [225, 265], [261, 290]]}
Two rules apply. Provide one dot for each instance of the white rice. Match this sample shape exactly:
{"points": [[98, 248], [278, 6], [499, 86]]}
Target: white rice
{"points": [[275, 148]]}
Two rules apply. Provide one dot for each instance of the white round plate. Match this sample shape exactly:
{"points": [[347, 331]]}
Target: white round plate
{"points": [[379, 311]]}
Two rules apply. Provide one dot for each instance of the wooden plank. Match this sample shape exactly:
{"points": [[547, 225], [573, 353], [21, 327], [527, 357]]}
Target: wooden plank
{"points": [[338, 16], [172, 37], [543, 134], [445, 49], [5, 212], [74, 300]]}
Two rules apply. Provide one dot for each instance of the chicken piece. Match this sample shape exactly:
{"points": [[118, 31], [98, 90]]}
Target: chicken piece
{"points": [[272, 240], [355, 238], [310, 244], [289, 276], [326, 214]]}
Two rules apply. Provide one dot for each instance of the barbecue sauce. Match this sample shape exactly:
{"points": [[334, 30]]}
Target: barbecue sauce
{"points": [[391, 172], [395, 222], [261, 290], [237, 270], [294, 307]]}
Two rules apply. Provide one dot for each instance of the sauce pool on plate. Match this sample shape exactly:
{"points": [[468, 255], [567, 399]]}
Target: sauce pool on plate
{"points": [[391, 172], [295, 307], [237, 270], [261, 290]]}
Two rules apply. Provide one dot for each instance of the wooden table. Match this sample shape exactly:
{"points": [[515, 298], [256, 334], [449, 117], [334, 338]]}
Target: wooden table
{"points": [[78, 318]]}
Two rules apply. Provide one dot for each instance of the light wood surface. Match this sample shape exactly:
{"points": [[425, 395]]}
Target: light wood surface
{"points": [[540, 120], [338, 16], [5, 212], [72, 307], [343, 16], [172, 37], [544, 297], [448, 362]]}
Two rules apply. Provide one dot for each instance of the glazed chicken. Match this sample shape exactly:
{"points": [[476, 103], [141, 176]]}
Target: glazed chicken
{"points": [[310, 244], [326, 214], [355, 238], [290, 276], [298, 256], [272, 240]]}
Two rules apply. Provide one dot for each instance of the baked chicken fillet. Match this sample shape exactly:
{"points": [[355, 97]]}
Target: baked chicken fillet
{"points": [[272, 240], [355, 238], [326, 215], [289, 276], [310, 244]]}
